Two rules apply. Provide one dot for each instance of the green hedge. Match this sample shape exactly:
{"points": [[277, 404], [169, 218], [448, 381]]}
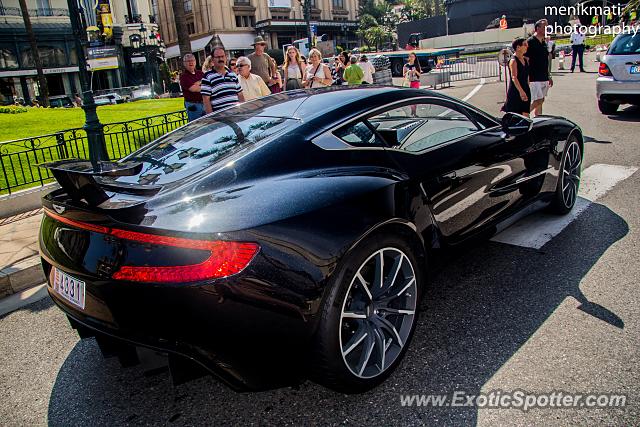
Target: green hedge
{"points": [[12, 109]]}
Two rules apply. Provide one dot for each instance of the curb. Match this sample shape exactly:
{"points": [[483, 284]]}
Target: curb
{"points": [[20, 276]]}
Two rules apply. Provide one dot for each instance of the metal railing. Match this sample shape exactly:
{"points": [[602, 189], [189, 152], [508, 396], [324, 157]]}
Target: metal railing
{"points": [[466, 68], [19, 159]]}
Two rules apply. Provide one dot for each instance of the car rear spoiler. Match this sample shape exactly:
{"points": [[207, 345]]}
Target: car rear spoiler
{"points": [[77, 178]]}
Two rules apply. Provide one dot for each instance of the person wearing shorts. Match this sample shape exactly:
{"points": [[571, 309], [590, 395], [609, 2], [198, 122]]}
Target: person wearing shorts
{"points": [[539, 77]]}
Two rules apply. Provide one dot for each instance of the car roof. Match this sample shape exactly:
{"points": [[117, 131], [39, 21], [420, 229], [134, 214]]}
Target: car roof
{"points": [[305, 104]]}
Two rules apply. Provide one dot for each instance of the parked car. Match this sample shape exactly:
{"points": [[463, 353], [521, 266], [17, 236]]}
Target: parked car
{"points": [[619, 74], [61, 101], [289, 237], [110, 98]]}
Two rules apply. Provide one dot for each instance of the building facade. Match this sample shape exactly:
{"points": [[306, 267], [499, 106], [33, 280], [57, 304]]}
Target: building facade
{"points": [[56, 47], [235, 23]]}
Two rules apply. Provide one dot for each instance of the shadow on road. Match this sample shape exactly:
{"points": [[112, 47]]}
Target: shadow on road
{"points": [[627, 114], [477, 313], [595, 141]]}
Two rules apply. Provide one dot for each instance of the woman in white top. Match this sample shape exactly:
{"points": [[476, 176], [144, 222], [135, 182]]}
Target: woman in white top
{"points": [[252, 85], [293, 69], [317, 74], [367, 68]]}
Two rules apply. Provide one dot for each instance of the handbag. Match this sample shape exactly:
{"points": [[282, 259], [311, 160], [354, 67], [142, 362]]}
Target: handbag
{"points": [[293, 84]]}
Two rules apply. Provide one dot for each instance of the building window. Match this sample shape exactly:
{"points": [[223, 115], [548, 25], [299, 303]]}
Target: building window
{"points": [[44, 7], [8, 58], [188, 8], [51, 56], [312, 4], [191, 27], [242, 2], [338, 4], [244, 21]]}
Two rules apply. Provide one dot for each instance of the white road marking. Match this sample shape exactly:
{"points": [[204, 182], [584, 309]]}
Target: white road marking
{"points": [[475, 89], [539, 228]]}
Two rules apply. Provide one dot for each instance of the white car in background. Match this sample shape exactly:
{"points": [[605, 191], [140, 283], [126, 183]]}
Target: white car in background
{"points": [[110, 98], [619, 74]]}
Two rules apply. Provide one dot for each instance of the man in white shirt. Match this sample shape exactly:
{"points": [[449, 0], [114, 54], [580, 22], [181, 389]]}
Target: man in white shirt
{"points": [[252, 84], [367, 68], [577, 46]]}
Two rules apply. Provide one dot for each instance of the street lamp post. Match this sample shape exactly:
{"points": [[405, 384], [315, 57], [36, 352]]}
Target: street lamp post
{"points": [[144, 46], [92, 125], [306, 10]]}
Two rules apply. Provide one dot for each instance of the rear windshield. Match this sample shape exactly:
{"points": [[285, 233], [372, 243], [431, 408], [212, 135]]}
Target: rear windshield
{"points": [[626, 44], [200, 145]]}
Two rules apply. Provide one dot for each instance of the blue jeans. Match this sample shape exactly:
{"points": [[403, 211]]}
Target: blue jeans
{"points": [[194, 110]]}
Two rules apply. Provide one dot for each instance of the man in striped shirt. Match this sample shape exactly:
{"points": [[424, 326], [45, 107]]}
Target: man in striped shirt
{"points": [[220, 87]]}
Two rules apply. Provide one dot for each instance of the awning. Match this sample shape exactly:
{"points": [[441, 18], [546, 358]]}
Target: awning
{"points": [[237, 41], [196, 45]]}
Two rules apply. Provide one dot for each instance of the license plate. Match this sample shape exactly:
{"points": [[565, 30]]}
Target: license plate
{"points": [[69, 288], [635, 69]]}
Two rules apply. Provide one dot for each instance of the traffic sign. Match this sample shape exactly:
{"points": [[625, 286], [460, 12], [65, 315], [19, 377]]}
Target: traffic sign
{"points": [[504, 57]]}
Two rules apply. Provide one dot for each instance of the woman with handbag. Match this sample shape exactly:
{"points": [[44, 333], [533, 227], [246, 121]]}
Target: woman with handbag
{"points": [[317, 74], [411, 72], [293, 69]]}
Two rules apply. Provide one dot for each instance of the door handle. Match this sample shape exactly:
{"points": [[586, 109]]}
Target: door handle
{"points": [[447, 178]]}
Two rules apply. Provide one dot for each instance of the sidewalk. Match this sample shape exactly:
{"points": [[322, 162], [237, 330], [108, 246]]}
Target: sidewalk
{"points": [[19, 258]]}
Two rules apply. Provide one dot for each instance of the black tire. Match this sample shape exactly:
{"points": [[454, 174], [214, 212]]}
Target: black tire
{"points": [[396, 67], [607, 107], [566, 194], [331, 364]]}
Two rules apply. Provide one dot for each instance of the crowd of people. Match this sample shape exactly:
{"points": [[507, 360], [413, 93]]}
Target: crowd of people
{"points": [[224, 81]]}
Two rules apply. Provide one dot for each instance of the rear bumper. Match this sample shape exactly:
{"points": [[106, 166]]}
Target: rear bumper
{"points": [[610, 90], [248, 346]]}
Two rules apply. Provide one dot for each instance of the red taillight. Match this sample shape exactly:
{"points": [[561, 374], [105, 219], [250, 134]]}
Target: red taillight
{"points": [[604, 70], [225, 259]]}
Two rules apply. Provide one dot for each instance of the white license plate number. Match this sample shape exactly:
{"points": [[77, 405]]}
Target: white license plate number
{"points": [[635, 69], [69, 288]]}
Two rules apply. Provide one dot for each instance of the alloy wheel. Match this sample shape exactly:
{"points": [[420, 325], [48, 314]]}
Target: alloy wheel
{"points": [[571, 174], [378, 313]]}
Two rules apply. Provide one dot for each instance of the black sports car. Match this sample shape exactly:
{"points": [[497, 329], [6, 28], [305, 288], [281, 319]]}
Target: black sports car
{"points": [[289, 237]]}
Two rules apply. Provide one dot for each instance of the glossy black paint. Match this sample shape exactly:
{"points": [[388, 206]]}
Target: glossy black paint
{"points": [[306, 207]]}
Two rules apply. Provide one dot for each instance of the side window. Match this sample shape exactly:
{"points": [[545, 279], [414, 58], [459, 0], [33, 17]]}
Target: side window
{"points": [[420, 126], [360, 135]]}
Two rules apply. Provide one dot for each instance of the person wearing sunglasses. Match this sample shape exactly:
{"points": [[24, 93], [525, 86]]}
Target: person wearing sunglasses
{"points": [[233, 65], [253, 86]]}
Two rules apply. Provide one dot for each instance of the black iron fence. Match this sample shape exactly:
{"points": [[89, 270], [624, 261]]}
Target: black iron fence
{"points": [[19, 159]]}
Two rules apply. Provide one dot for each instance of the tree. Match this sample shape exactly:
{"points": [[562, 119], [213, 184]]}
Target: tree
{"points": [[390, 22], [375, 36], [366, 21], [373, 8], [414, 10], [421, 9], [42, 80], [181, 27]]}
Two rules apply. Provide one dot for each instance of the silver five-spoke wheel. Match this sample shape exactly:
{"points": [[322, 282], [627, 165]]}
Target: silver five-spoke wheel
{"points": [[378, 313], [571, 174]]}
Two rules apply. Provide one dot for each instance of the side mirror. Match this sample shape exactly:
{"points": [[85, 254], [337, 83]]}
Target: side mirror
{"points": [[515, 124]]}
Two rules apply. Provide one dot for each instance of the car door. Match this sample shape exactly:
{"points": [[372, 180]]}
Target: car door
{"points": [[468, 169]]}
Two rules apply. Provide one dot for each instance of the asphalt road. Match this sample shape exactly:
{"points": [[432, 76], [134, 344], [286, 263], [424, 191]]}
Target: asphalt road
{"points": [[499, 317]]}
